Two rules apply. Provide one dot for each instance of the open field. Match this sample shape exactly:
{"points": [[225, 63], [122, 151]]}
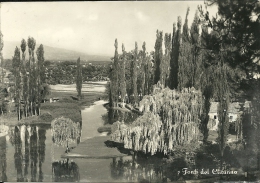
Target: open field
{"points": [[68, 106], [86, 87]]}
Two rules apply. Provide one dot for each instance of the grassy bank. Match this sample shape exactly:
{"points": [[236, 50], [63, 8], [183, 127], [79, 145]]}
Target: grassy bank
{"points": [[68, 106]]}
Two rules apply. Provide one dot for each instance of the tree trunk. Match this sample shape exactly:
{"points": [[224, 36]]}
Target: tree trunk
{"points": [[19, 112], [31, 109], [123, 104]]}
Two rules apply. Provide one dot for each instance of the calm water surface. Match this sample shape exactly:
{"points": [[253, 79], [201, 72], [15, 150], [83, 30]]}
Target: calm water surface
{"points": [[28, 153]]}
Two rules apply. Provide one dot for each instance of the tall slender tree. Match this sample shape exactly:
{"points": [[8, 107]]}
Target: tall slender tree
{"points": [[185, 30], [79, 78], [185, 64], [165, 62], [115, 79], [31, 46], [158, 56], [41, 74], [190, 62], [223, 97], [134, 75], [175, 55], [207, 80], [1, 56], [149, 75], [142, 69], [122, 76], [17, 73], [24, 78]]}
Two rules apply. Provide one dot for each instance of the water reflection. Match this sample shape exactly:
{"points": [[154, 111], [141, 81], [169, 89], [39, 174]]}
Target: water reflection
{"points": [[29, 145], [65, 171], [147, 169], [113, 115], [3, 176]]}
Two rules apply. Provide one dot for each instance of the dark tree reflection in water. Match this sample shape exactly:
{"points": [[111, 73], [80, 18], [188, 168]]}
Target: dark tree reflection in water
{"points": [[148, 169], [33, 153], [3, 176], [26, 154], [65, 171], [41, 152], [18, 154], [29, 145]]}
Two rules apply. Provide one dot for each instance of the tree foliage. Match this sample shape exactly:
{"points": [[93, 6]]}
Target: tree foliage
{"points": [[29, 79], [170, 119], [1, 57], [176, 41], [158, 56], [79, 78], [65, 131]]}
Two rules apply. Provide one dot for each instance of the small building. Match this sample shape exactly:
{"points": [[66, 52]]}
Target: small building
{"points": [[233, 112]]}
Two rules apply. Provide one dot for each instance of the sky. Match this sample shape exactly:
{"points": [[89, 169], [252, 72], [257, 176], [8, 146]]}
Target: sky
{"points": [[92, 27]]}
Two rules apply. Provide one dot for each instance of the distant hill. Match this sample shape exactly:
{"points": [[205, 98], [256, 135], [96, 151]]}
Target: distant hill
{"points": [[55, 54]]}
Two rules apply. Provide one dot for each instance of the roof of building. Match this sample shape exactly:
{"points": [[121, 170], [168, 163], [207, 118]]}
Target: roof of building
{"points": [[232, 108]]}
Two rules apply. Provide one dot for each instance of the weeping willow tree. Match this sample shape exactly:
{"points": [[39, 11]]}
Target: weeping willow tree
{"points": [[65, 131], [170, 119]]}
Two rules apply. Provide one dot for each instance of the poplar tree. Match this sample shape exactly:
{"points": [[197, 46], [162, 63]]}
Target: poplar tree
{"points": [[122, 77], [196, 53], [190, 62], [79, 78], [17, 69], [134, 75], [1, 56], [142, 69], [165, 68], [175, 55], [31, 46], [223, 98], [207, 83], [114, 87], [158, 56], [24, 78], [185, 31], [185, 64], [41, 74], [148, 75]]}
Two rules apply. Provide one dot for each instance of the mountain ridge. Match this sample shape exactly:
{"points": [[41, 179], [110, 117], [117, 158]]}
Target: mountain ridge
{"points": [[54, 53]]}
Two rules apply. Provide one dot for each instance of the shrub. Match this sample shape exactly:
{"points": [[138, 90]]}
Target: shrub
{"points": [[47, 117]]}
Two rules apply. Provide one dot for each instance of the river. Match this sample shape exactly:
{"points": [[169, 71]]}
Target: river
{"points": [[27, 153]]}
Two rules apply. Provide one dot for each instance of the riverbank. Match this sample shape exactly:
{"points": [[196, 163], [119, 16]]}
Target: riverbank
{"points": [[68, 106], [94, 148]]}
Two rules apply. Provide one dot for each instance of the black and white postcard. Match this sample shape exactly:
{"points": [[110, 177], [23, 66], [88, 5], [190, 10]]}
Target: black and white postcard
{"points": [[130, 91]]}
